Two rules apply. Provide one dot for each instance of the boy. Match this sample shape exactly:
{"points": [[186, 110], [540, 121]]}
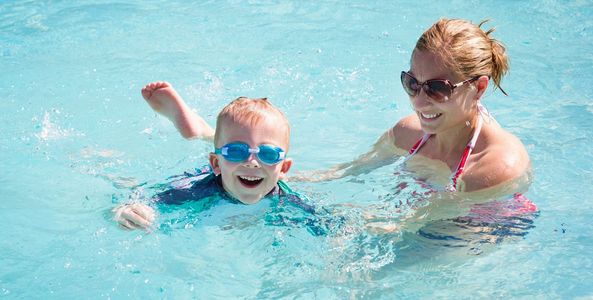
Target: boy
{"points": [[251, 141]]}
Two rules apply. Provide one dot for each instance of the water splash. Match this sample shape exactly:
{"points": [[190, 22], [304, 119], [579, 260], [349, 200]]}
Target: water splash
{"points": [[51, 131]]}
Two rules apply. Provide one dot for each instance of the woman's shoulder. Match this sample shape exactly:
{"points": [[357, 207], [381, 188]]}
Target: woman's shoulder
{"points": [[502, 159], [508, 149], [406, 132]]}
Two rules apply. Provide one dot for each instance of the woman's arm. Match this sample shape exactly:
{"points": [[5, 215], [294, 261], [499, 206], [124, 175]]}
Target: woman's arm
{"points": [[394, 143], [444, 205], [382, 153]]}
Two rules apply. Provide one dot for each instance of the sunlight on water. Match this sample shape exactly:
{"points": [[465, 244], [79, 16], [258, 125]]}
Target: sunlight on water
{"points": [[77, 139]]}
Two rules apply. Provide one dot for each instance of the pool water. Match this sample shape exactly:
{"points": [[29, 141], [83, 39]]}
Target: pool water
{"points": [[76, 139]]}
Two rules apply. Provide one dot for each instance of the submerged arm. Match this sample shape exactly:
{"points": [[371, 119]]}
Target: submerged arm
{"points": [[450, 205]]}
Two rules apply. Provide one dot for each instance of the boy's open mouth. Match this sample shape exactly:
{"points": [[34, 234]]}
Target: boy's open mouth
{"points": [[250, 181]]}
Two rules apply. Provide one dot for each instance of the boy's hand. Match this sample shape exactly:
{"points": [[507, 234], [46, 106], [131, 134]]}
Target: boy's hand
{"points": [[134, 216], [382, 227]]}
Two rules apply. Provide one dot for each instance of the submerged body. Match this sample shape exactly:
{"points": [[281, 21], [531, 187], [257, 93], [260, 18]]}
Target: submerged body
{"points": [[203, 190]]}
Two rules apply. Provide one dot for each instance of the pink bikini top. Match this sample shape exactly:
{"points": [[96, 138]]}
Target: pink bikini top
{"points": [[452, 187]]}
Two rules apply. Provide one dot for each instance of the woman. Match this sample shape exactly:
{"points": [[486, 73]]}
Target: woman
{"points": [[450, 138]]}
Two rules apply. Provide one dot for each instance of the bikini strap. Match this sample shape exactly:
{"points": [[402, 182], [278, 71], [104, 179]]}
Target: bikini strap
{"points": [[419, 144], [466, 153], [452, 187]]}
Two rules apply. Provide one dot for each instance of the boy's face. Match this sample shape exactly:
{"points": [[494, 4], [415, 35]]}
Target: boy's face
{"points": [[250, 180]]}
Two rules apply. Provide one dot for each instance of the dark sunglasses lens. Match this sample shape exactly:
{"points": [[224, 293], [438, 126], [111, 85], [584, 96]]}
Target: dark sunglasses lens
{"points": [[410, 84], [237, 152], [438, 90]]}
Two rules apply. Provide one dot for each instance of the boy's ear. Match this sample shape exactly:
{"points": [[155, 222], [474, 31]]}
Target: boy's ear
{"points": [[214, 163], [286, 164]]}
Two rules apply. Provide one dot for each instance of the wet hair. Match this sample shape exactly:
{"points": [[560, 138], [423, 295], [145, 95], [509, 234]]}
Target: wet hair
{"points": [[467, 49], [251, 112]]}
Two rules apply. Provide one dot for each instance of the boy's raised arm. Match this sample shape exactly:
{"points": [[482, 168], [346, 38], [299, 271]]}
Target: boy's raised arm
{"points": [[164, 99]]}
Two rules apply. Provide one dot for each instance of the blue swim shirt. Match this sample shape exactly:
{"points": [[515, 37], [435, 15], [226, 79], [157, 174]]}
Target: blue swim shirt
{"points": [[203, 189]]}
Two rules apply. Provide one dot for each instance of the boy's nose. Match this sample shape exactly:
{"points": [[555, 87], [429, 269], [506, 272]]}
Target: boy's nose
{"points": [[252, 161]]}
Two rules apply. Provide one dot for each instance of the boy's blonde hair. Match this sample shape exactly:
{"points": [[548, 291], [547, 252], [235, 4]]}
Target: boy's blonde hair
{"points": [[466, 48], [251, 112]]}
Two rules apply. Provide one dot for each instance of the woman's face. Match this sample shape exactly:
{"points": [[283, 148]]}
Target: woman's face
{"points": [[436, 116]]}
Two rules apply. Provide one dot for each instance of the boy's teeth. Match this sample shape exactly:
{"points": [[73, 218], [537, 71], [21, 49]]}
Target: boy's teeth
{"points": [[430, 116], [250, 178]]}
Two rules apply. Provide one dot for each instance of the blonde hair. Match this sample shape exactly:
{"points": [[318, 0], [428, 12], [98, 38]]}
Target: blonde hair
{"points": [[467, 49], [250, 112]]}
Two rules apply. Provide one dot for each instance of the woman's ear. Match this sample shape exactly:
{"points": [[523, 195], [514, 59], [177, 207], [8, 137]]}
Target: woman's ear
{"points": [[214, 163], [286, 164], [482, 86]]}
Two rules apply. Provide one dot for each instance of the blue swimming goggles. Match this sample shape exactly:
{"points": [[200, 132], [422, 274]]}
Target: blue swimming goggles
{"points": [[240, 152]]}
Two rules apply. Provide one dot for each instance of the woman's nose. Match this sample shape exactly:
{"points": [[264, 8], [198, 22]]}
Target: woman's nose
{"points": [[420, 100]]}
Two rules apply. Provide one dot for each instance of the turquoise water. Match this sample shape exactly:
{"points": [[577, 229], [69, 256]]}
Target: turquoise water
{"points": [[75, 133]]}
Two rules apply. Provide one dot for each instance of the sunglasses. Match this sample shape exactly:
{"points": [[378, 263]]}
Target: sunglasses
{"points": [[240, 152], [438, 90]]}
